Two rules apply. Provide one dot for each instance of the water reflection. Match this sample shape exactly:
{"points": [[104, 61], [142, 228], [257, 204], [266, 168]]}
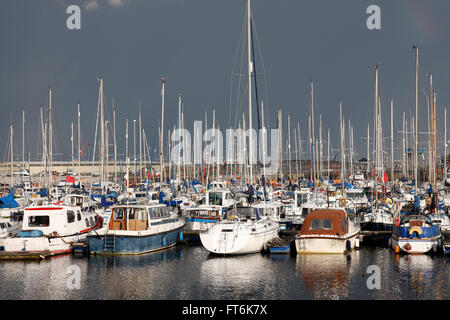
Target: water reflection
{"points": [[326, 276], [239, 277], [41, 280], [423, 276], [190, 272]]}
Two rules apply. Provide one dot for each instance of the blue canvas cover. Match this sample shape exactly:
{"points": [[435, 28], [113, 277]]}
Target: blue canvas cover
{"points": [[8, 201]]}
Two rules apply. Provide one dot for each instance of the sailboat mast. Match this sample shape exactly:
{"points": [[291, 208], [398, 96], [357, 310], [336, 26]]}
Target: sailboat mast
{"points": [[161, 139], [445, 144], [79, 143], [71, 141], [50, 135], [417, 119], [392, 139], [102, 135], [23, 136], [289, 144], [250, 70], [12, 155], [115, 143], [342, 144]]}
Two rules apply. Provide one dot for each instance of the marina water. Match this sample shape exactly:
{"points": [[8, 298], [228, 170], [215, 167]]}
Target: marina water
{"points": [[190, 272]]}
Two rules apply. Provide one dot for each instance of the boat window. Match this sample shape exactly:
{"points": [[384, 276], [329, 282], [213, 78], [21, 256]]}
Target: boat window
{"points": [[79, 215], [87, 222], [301, 198], [70, 216], [141, 214], [38, 221], [321, 224], [118, 214], [203, 213], [150, 212], [131, 213], [156, 212], [3, 225], [215, 198], [92, 221], [344, 224]]}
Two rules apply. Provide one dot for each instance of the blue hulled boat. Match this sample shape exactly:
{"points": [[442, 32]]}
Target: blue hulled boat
{"points": [[137, 229], [416, 233]]}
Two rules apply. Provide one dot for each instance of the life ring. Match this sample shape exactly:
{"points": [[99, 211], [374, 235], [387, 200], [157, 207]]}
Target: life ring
{"points": [[415, 229]]}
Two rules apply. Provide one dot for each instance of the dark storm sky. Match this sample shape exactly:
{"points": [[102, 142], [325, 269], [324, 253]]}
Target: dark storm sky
{"points": [[193, 43]]}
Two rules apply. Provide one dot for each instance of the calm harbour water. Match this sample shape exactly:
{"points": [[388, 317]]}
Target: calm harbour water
{"points": [[189, 272]]}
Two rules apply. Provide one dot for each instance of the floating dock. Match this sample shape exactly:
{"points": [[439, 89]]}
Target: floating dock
{"points": [[25, 255]]}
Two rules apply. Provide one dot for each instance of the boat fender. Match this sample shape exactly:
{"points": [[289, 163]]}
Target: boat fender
{"points": [[408, 247], [164, 241], [348, 245]]}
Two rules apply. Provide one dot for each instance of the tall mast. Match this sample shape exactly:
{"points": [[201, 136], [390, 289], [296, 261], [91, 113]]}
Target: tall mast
{"points": [[445, 144], [79, 143], [23, 136], [140, 140], [320, 146], [328, 156], [404, 146], [431, 140], [50, 135], [134, 148], [161, 139], [417, 119], [280, 139], [430, 161], [341, 123], [289, 144], [115, 143], [71, 141], [311, 132], [368, 149], [12, 155], [250, 70], [179, 138], [126, 151], [435, 150], [392, 139], [102, 135], [300, 147]]}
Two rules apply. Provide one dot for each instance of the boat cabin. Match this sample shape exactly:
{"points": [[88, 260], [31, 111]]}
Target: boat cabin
{"points": [[244, 213], [301, 197], [77, 200], [63, 220], [204, 213], [325, 222], [136, 218], [222, 198]]}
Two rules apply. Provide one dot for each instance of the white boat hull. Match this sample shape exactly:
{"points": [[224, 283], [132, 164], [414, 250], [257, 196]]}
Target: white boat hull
{"points": [[326, 244], [239, 238], [417, 245], [42, 244]]}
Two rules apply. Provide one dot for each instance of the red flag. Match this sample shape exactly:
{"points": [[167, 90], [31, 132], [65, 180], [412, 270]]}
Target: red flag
{"points": [[385, 178], [70, 179]]}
